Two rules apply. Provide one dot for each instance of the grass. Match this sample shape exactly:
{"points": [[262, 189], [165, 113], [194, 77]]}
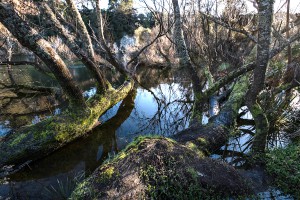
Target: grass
{"points": [[63, 189]]}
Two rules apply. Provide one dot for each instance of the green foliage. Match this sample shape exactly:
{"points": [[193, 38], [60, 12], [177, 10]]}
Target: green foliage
{"points": [[83, 189], [284, 166], [169, 178], [296, 50], [146, 20], [107, 174], [123, 19]]}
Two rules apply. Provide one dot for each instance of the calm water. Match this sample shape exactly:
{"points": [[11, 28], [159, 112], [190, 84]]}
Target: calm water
{"points": [[161, 109]]}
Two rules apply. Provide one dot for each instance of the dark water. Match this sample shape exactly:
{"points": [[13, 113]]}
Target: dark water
{"points": [[161, 109]]}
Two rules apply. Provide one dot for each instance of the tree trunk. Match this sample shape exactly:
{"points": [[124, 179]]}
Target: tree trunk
{"points": [[185, 62], [30, 38], [34, 142], [83, 32], [70, 42], [289, 49], [265, 11]]}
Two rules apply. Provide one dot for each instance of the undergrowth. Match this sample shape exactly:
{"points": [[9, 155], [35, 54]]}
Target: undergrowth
{"points": [[284, 165]]}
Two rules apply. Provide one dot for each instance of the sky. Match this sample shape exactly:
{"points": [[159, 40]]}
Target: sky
{"points": [[294, 7]]}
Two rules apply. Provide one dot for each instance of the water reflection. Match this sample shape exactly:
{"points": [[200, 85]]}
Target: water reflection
{"points": [[22, 103], [162, 109], [169, 114], [161, 105], [237, 149], [4, 128]]}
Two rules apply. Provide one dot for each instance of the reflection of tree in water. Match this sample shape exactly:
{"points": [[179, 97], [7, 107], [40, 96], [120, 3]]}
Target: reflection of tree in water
{"points": [[173, 108], [26, 96], [238, 149], [33, 96]]}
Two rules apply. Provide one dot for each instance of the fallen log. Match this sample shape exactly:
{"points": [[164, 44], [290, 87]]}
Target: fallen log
{"points": [[36, 141]]}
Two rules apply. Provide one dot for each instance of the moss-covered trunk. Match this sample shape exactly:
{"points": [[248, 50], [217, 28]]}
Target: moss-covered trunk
{"points": [[265, 16], [36, 141]]}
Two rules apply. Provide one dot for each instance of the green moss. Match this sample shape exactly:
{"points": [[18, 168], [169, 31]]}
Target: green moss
{"points": [[202, 141], [107, 174], [193, 172], [284, 166], [173, 182], [196, 149], [133, 147], [256, 110], [58, 130], [192, 146], [83, 189], [18, 139]]}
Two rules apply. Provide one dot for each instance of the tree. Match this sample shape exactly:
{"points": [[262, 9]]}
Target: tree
{"points": [[82, 114], [150, 161], [30, 38], [265, 11], [121, 16]]}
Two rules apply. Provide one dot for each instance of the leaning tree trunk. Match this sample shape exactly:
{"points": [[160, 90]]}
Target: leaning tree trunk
{"points": [[69, 39], [30, 38], [164, 169], [83, 32], [34, 142]]}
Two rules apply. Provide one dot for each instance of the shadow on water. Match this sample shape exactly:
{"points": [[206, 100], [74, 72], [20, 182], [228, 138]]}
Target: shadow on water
{"points": [[82, 156]]}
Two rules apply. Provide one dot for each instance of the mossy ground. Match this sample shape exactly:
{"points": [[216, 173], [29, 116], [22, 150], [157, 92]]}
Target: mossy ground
{"points": [[160, 168]]}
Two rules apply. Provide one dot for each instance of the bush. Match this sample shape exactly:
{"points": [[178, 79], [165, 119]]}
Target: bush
{"points": [[284, 166]]}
